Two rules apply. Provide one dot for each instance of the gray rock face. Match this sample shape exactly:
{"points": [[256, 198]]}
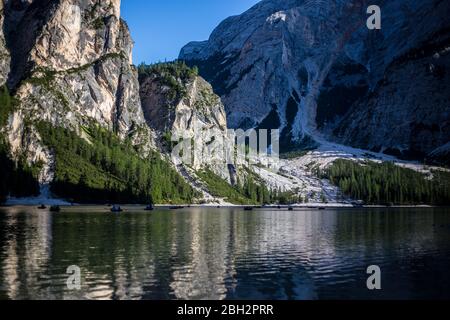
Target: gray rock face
{"points": [[62, 34], [5, 58], [243, 62], [71, 66], [192, 110], [313, 69], [199, 108], [408, 114]]}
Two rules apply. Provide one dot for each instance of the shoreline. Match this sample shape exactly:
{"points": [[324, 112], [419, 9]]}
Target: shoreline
{"points": [[303, 207]]}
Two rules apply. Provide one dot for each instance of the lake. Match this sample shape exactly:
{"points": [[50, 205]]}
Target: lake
{"points": [[206, 253]]}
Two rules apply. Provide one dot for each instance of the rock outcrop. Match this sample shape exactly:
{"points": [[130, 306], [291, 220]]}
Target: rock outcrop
{"points": [[4, 52], [71, 66], [179, 104], [314, 69], [193, 108]]}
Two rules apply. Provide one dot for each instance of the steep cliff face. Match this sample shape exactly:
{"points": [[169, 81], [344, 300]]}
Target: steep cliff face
{"points": [[179, 103], [271, 60], [408, 114], [4, 52], [65, 34], [185, 108], [313, 69], [71, 67]]}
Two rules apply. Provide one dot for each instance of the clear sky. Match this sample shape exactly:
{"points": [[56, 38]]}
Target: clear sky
{"points": [[160, 28]]}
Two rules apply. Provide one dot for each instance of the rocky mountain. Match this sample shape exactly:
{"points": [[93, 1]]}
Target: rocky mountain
{"points": [[70, 66], [71, 89], [78, 121], [176, 100], [314, 70], [179, 103]]}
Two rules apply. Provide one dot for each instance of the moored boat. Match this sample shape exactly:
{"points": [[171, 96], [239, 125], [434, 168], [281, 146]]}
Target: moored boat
{"points": [[116, 208]]}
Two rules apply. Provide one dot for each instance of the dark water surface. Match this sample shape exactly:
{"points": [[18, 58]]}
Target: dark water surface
{"points": [[225, 254]]}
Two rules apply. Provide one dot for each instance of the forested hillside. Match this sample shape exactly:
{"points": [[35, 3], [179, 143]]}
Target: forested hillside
{"points": [[387, 183], [102, 169]]}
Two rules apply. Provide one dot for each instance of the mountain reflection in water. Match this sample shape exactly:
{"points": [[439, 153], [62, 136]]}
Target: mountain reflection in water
{"points": [[225, 254]]}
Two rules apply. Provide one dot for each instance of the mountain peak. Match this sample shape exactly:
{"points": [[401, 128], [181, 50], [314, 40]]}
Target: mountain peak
{"points": [[314, 68]]}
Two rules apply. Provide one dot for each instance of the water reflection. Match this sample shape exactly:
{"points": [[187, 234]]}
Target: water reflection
{"points": [[27, 250], [225, 254]]}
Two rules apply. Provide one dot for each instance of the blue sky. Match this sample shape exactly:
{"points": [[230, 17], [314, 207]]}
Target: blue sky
{"points": [[160, 28]]}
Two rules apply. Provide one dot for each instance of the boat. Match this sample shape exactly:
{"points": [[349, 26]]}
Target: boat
{"points": [[42, 207], [248, 208], [291, 209], [55, 209], [116, 208], [322, 208], [150, 207]]}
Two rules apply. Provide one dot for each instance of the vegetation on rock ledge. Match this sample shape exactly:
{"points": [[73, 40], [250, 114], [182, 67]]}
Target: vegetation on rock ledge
{"points": [[174, 75]]}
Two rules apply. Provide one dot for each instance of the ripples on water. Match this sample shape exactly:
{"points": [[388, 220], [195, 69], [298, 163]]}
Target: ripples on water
{"points": [[225, 254]]}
